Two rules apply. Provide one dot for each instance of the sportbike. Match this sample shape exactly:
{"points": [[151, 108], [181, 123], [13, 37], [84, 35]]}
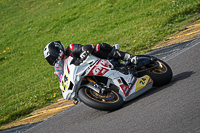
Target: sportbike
{"points": [[106, 84]]}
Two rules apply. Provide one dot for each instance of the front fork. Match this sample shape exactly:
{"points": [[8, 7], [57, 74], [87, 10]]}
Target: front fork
{"points": [[98, 88], [92, 84]]}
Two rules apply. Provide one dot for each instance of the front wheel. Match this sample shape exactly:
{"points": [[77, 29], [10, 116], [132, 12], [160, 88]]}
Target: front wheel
{"points": [[161, 75], [107, 102]]}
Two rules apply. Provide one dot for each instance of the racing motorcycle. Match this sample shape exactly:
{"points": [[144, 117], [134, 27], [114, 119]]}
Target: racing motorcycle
{"points": [[106, 84]]}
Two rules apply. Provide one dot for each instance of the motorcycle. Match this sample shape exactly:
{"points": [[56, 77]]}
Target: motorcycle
{"points": [[106, 84]]}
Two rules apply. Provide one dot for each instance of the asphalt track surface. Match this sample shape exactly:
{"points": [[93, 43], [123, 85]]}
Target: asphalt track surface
{"points": [[173, 108]]}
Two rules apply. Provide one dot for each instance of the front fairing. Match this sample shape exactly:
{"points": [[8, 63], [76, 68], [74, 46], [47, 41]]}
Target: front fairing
{"points": [[67, 82], [73, 76]]}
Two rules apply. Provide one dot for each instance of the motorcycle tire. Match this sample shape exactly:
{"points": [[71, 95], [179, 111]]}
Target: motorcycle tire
{"points": [[161, 75], [109, 102]]}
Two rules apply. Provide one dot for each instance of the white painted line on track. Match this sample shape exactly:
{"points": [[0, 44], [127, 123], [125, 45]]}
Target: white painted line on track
{"points": [[182, 51]]}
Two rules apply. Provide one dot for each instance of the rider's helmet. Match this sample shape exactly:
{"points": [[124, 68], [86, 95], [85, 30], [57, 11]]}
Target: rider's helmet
{"points": [[53, 52]]}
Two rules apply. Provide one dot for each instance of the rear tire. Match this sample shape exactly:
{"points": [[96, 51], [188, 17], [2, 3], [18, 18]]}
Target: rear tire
{"points": [[109, 102], [161, 75]]}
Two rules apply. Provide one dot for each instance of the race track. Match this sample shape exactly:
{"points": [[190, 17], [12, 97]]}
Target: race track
{"points": [[174, 108]]}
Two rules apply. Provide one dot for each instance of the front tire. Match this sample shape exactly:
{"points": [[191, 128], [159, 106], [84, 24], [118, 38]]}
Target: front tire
{"points": [[109, 102]]}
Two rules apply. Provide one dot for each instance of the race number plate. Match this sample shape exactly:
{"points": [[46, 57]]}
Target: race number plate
{"points": [[142, 82], [65, 82]]}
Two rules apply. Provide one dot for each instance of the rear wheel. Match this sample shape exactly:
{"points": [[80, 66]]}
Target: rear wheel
{"points": [[161, 75], [107, 102]]}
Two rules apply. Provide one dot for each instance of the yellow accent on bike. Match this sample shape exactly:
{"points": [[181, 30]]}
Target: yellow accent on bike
{"points": [[65, 82], [142, 82]]}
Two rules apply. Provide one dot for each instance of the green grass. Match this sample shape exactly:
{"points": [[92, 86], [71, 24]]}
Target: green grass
{"points": [[26, 26]]}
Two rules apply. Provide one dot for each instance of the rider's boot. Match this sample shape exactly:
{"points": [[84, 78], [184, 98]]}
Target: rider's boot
{"points": [[131, 58], [116, 53]]}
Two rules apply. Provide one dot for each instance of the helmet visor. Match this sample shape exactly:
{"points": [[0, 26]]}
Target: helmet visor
{"points": [[51, 60]]}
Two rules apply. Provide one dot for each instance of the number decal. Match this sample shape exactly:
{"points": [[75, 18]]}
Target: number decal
{"points": [[96, 70], [65, 78], [65, 82], [103, 62], [142, 81], [100, 68]]}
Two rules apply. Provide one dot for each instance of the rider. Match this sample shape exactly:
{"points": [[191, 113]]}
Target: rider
{"points": [[55, 52]]}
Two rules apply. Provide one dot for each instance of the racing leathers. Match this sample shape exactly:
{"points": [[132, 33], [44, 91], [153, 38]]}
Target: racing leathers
{"points": [[80, 52]]}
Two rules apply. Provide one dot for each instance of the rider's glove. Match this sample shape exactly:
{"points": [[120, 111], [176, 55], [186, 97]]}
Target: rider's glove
{"points": [[84, 54]]}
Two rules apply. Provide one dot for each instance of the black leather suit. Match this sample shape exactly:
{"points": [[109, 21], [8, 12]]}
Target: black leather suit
{"points": [[102, 50]]}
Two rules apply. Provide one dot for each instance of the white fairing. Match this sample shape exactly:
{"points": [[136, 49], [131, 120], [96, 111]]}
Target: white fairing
{"points": [[129, 86]]}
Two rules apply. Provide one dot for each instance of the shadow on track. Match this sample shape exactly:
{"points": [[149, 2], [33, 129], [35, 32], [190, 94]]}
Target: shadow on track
{"points": [[176, 78]]}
